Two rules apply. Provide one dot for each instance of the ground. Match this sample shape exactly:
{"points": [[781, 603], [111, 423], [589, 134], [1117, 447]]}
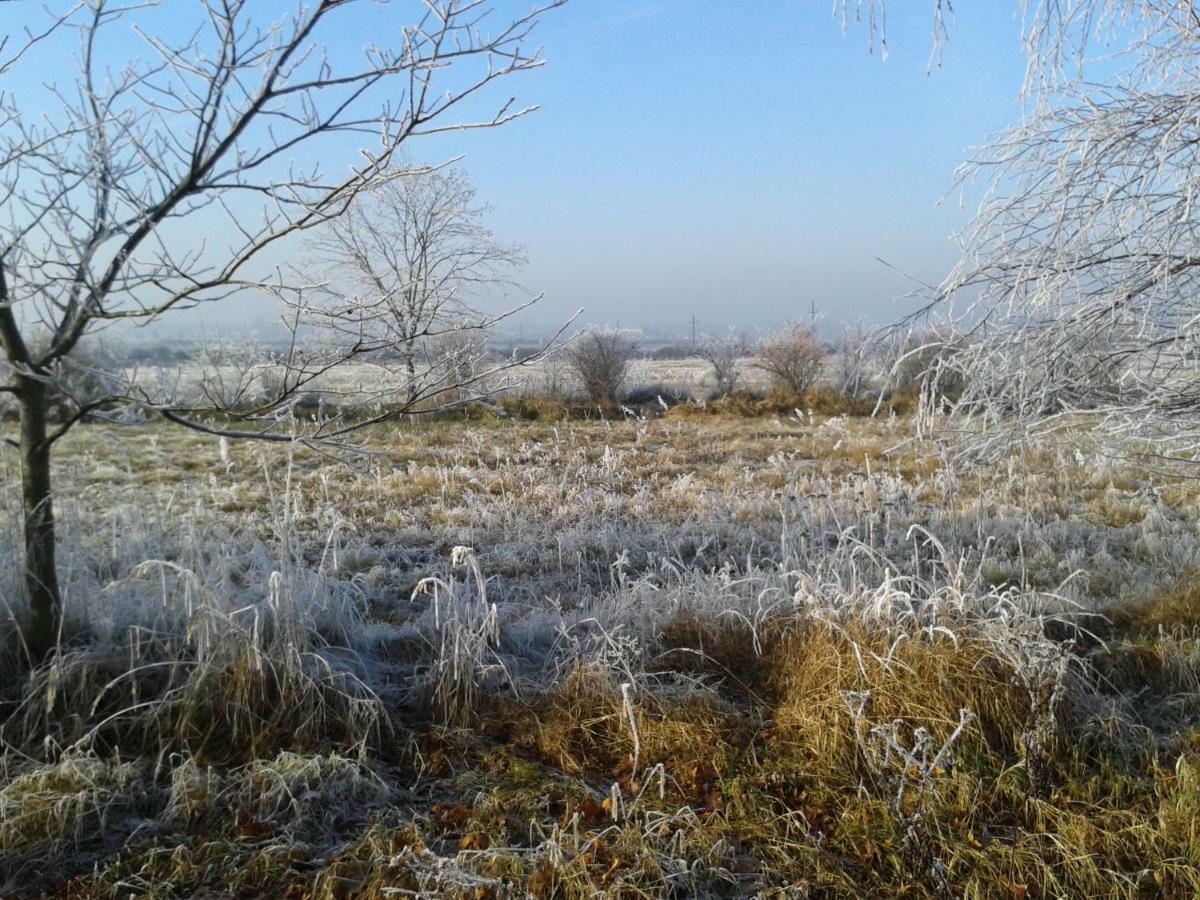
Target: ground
{"points": [[687, 656]]}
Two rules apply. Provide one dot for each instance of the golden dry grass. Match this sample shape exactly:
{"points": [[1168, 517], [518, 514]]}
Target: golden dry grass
{"points": [[697, 753]]}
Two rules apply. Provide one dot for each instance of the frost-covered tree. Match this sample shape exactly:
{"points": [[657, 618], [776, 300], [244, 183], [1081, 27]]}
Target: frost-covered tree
{"points": [[1079, 281], [150, 155], [1080, 272], [418, 253], [854, 363]]}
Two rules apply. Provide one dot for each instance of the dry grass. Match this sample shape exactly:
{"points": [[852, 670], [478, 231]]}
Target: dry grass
{"points": [[790, 655]]}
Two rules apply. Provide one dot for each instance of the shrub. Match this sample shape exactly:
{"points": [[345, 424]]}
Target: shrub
{"points": [[855, 362], [828, 402], [600, 359], [457, 359], [554, 381], [532, 409], [792, 359], [725, 356]]}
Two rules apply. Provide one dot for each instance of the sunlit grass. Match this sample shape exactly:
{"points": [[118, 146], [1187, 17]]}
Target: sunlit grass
{"points": [[701, 656]]}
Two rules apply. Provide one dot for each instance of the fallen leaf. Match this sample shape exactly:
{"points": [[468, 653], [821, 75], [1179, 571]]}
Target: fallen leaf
{"points": [[590, 809], [250, 826], [475, 840], [624, 767], [450, 818]]}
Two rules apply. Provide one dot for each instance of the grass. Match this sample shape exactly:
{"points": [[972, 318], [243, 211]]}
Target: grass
{"points": [[791, 655]]}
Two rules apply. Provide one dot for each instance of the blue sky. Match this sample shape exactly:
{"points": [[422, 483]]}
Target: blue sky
{"points": [[742, 161]]}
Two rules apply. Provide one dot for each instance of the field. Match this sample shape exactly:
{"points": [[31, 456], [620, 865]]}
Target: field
{"points": [[363, 383], [687, 656]]}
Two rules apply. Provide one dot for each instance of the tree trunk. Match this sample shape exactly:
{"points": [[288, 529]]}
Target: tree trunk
{"points": [[410, 363], [41, 573]]}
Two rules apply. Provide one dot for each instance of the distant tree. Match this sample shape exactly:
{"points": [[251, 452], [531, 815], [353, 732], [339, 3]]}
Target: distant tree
{"points": [[419, 256], [555, 377], [793, 359], [600, 360], [145, 185], [725, 356]]}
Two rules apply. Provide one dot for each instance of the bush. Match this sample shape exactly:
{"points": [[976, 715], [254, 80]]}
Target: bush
{"points": [[780, 402], [459, 358], [554, 380], [792, 359], [725, 356], [855, 362], [600, 359], [828, 402], [673, 351]]}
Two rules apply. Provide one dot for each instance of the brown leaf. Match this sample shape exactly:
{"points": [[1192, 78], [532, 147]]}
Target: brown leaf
{"points": [[450, 818], [1015, 891], [590, 809], [702, 773], [475, 840], [624, 767], [250, 826]]}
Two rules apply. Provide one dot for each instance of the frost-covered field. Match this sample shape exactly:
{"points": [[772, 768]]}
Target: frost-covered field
{"points": [[679, 657], [363, 382]]}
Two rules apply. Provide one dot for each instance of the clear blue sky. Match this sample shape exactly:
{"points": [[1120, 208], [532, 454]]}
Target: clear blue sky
{"points": [[741, 161]]}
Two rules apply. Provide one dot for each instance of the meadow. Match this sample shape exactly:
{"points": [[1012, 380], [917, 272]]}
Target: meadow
{"points": [[691, 655]]}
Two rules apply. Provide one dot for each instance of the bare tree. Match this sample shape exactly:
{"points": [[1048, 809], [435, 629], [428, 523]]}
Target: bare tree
{"points": [[555, 380], [419, 255], [1078, 282], [600, 359], [854, 365], [146, 187], [1080, 272], [793, 359], [725, 356]]}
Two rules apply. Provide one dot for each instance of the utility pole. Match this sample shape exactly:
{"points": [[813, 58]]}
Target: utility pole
{"points": [[813, 313], [693, 329]]}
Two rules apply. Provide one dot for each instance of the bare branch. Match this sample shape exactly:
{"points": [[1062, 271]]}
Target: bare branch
{"points": [[161, 180]]}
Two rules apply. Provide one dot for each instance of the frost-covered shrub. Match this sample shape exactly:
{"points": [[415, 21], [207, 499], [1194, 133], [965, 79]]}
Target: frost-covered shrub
{"points": [[793, 359], [600, 359]]}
